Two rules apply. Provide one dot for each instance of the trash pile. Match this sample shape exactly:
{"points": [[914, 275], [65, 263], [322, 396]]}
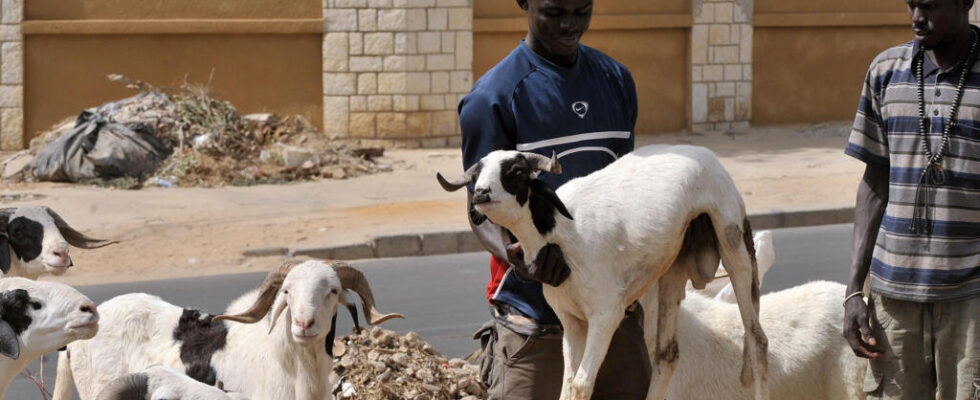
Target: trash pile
{"points": [[377, 364], [184, 137]]}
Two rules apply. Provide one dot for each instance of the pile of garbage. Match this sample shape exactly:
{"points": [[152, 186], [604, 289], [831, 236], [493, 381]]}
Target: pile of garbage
{"points": [[379, 364], [184, 137]]}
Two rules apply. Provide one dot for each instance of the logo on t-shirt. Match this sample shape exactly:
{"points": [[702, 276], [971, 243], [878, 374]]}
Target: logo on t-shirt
{"points": [[580, 108]]}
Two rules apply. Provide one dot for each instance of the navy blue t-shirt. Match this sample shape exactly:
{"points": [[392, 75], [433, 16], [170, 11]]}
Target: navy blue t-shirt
{"points": [[585, 114]]}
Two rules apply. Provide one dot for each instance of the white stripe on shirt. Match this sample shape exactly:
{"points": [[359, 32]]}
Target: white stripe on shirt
{"points": [[574, 138], [588, 148]]}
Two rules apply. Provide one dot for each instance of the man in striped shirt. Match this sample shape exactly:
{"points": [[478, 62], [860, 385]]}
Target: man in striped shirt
{"points": [[917, 221]]}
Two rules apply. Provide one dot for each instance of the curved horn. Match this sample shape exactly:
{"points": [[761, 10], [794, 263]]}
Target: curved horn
{"points": [[267, 296], [463, 180], [353, 279], [542, 163], [126, 387], [76, 238]]}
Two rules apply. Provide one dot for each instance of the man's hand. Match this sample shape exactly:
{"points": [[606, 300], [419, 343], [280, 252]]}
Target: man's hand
{"points": [[857, 330], [548, 267]]}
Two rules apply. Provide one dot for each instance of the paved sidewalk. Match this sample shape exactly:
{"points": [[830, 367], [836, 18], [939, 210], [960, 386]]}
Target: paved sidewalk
{"points": [[789, 176]]}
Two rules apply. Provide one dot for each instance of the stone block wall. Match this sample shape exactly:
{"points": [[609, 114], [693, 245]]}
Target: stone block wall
{"points": [[721, 65], [11, 75], [395, 70]]}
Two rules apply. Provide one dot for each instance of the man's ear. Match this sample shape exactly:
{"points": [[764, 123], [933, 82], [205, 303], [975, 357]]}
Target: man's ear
{"points": [[9, 346]]}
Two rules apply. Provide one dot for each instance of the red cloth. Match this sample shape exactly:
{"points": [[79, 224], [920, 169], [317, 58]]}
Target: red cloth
{"points": [[498, 268]]}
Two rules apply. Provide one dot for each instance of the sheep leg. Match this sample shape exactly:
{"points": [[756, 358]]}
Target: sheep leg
{"points": [[573, 345], [735, 252], [601, 327], [669, 296]]}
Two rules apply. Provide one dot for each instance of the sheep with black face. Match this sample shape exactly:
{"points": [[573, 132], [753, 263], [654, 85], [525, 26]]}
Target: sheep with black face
{"points": [[39, 317], [659, 215], [278, 348], [34, 241]]}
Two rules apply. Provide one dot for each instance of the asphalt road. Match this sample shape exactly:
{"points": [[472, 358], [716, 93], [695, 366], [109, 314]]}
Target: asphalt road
{"points": [[443, 297]]}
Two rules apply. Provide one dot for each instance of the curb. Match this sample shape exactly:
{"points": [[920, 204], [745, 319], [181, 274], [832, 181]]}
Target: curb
{"points": [[453, 242]]}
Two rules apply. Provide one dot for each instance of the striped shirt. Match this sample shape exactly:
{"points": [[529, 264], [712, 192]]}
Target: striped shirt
{"points": [[942, 264]]}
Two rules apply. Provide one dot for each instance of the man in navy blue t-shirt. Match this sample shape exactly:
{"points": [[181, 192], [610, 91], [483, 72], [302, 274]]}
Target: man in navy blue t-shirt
{"points": [[549, 95]]}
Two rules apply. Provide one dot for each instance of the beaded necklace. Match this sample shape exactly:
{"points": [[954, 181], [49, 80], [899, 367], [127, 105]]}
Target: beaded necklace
{"points": [[933, 174]]}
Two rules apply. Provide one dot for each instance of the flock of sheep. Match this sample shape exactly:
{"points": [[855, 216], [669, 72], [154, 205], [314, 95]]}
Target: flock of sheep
{"points": [[656, 226]]}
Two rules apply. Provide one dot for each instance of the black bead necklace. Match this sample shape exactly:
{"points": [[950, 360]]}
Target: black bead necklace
{"points": [[933, 174]]}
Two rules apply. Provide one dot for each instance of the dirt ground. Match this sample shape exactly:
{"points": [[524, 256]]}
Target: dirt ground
{"points": [[180, 232]]}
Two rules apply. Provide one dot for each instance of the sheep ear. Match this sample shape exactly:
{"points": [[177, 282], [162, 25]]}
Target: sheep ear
{"points": [[545, 191], [4, 244], [328, 343], [76, 238], [9, 346]]}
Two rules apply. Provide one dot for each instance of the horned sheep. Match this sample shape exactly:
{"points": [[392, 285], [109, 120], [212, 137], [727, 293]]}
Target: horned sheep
{"points": [[34, 241]]}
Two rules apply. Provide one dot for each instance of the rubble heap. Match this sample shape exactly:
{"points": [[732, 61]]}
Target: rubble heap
{"points": [[377, 364]]}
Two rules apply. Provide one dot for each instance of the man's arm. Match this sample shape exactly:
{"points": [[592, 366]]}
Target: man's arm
{"points": [[872, 199]]}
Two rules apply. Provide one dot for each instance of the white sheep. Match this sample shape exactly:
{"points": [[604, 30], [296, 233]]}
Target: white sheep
{"points": [[765, 256], [660, 215], [808, 357], [256, 357], [158, 382], [34, 241], [37, 318]]}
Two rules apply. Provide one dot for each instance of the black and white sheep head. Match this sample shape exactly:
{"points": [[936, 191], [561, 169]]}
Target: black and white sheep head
{"points": [[506, 189], [34, 241], [306, 296], [38, 317]]}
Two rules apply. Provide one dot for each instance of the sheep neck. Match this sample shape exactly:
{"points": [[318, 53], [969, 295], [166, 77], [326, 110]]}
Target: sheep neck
{"points": [[309, 365], [531, 240]]}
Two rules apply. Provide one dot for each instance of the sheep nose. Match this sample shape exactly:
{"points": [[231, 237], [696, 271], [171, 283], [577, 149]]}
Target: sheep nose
{"points": [[89, 308], [481, 196], [304, 324], [483, 191], [60, 253]]}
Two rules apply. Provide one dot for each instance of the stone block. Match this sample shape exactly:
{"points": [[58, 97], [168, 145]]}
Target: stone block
{"points": [[336, 83], [379, 43], [716, 109], [713, 73], [729, 109], [362, 125], [405, 102], [725, 54], [11, 129], [10, 33], [415, 20], [366, 64], [392, 82], [429, 42], [13, 63], [352, 252], [415, 63], [743, 89], [733, 72], [356, 45], [440, 62], [367, 83], [724, 13], [431, 143], [719, 34], [367, 20], [336, 115], [448, 42], [398, 246], [417, 83], [440, 82], [266, 252], [742, 15], [335, 51], [468, 242], [725, 89], [743, 108], [395, 63], [705, 14], [339, 20], [392, 125], [379, 3], [699, 103], [11, 96], [418, 124], [13, 11], [452, 101], [464, 50], [350, 3], [392, 20], [461, 19], [433, 102], [460, 81], [745, 44], [696, 73], [406, 43], [379, 103], [414, 3], [444, 123], [454, 3], [438, 19], [699, 44], [358, 103], [747, 72], [317, 252], [712, 89], [455, 141]]}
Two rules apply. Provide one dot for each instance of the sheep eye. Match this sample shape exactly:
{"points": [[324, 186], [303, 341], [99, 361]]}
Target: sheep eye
{"points": [[285, 291]]}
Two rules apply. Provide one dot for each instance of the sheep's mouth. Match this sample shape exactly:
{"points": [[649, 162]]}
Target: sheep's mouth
{"points": [[304, 338], [481, 199], [90, 327]]}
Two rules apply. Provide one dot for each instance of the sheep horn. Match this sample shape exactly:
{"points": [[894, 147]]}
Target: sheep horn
{"points": [[76, 238], [463, 180], [542, 163], [126, 387], [353, 279], [267, 296]]}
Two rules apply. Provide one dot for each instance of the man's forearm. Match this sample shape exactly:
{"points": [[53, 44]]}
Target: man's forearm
{"points": [[872, 198]]}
